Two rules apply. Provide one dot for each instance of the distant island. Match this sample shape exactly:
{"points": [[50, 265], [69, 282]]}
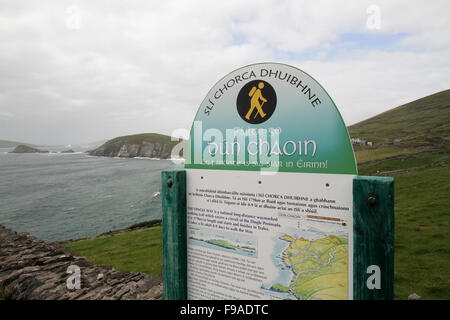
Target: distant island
{"points": [[148, 145], [27, 149], [13, 144]]}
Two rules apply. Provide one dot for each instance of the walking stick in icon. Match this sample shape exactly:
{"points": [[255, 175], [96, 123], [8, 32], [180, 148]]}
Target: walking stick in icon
{"points": [[256, 114]]}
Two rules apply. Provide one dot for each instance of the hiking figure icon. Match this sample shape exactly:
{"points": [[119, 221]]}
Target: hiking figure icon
{"points": [[256, 96]]}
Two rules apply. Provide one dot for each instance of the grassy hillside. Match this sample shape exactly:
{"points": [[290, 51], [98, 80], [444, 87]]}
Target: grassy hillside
{"points": [[423, 123], [423, 129], [419, 165]]}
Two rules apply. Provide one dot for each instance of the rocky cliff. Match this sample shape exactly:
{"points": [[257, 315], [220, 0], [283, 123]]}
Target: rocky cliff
{"points": [[32, 269], [149, 145]]}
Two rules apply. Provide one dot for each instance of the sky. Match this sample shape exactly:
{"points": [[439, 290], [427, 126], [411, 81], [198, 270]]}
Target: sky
{"points": [[74, 72]]}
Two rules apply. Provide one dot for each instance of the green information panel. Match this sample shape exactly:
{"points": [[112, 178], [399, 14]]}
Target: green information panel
{"points": [[270, 116]]}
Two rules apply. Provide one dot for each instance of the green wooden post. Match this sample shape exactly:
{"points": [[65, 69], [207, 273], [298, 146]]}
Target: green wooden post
{"points": [[173, 194], [373, 238]]}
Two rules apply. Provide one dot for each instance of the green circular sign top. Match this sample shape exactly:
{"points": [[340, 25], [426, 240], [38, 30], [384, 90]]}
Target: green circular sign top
{"points": [[270, 117]]}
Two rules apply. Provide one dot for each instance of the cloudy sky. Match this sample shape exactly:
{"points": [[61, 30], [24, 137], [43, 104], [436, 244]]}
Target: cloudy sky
{"points": [[81, 71]]}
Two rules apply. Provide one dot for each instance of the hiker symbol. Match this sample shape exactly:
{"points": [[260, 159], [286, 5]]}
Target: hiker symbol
{"points": [[256, 102]]}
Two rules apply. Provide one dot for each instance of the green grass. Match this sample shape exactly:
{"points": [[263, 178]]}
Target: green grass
{"points": [[138, 250], [401, 163], [367, 154], [422, 249]]}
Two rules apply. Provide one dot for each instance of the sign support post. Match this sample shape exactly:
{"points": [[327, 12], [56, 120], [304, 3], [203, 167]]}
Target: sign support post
{"points": [[373, 238], [174, 235]]}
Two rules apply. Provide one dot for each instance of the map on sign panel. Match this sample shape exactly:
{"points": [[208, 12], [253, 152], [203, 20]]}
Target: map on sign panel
{"points": [[311, 265]]}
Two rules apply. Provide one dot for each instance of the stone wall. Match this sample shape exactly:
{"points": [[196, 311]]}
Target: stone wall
{"points": [[33, 269]]}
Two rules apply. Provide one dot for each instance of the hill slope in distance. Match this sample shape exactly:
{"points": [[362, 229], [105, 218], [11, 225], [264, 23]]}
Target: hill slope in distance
{"points": [[421, 130]]}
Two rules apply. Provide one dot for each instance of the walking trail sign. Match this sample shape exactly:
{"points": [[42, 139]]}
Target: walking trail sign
{"points": [[270, 205]]}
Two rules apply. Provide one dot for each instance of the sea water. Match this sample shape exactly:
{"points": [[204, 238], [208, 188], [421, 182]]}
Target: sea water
{"points": [[59, 196]]}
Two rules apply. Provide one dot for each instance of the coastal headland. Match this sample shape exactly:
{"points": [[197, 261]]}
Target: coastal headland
{"points": [[148, 145]]}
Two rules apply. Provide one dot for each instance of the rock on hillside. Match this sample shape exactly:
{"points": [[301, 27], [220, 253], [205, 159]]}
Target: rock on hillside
{"points": [[144, 145], [26, 149]]}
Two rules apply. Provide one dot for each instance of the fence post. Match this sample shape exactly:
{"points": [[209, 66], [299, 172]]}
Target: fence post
{"points": [[373, 238], [173, 194]]}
